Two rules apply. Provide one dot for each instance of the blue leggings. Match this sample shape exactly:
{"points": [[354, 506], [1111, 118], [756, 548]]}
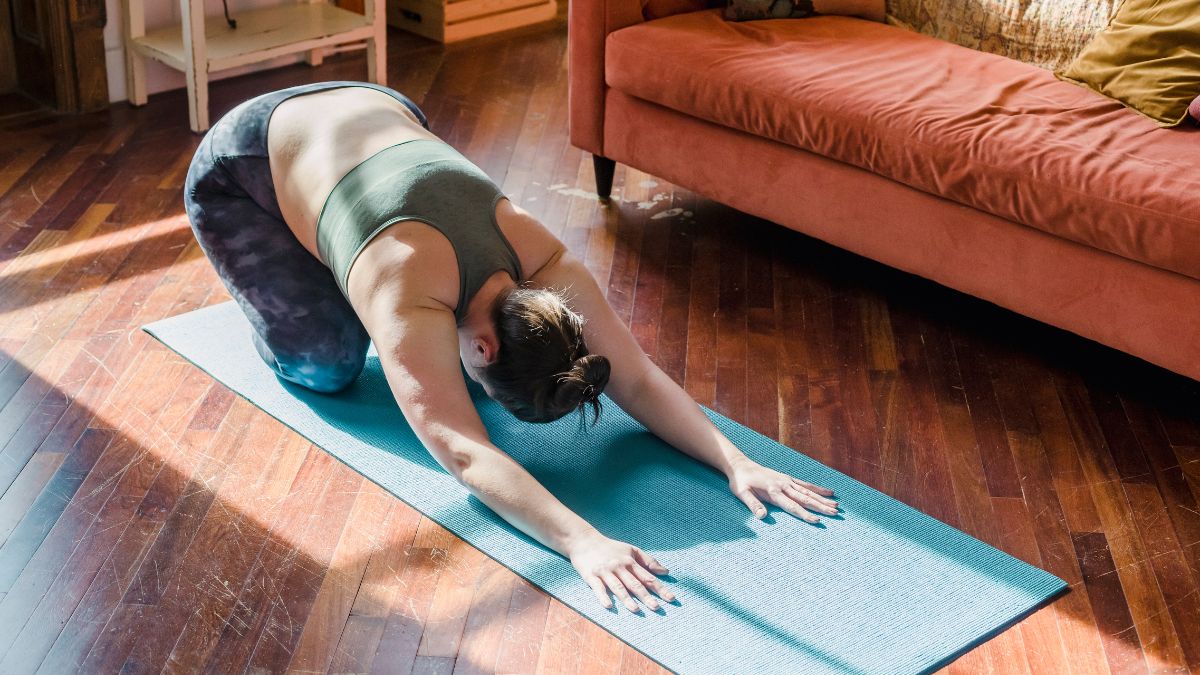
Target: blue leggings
{"points": [[303, 327]]}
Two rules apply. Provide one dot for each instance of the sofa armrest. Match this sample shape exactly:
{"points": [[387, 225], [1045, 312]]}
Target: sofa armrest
{"points": [[588, 24]]}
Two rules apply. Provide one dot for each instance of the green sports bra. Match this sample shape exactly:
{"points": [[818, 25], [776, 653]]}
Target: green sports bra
{"points": [[426, 180]]}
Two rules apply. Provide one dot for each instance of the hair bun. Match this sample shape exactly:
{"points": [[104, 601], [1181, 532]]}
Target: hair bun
{"points": [[594, 370], [582, 385]]}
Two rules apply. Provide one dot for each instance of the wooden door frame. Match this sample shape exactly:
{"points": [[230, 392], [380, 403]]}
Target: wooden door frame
{"points": [[77, 33], [8, 61], [75, 36]]}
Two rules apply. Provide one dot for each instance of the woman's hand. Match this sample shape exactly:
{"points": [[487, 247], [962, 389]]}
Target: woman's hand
{"points": [[752, 482], [623, 568]]}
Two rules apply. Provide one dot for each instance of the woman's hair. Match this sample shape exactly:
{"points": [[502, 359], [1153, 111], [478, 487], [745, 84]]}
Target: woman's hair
{"points": [[543, 369]]}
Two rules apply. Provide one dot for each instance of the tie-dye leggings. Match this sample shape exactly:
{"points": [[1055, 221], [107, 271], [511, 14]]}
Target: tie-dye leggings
{"points": [[304, 328]]}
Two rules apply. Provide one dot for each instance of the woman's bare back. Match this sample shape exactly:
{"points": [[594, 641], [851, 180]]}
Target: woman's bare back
{"points": [[315, 139]]}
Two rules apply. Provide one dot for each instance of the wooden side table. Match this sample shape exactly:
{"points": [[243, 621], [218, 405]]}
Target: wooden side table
{"points": [[199, 47]]}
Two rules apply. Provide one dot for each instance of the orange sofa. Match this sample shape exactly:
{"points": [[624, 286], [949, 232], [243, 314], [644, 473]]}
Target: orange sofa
{"points": [[976, 171]]}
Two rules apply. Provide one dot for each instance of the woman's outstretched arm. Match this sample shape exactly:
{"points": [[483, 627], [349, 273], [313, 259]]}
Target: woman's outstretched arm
{"points": [[418, 351], [650, 396]]}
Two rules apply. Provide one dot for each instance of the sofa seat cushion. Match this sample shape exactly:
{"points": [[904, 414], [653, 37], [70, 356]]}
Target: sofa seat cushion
{"points": [[982, 130]]}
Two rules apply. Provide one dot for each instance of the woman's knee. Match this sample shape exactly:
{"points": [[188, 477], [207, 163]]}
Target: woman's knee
{"points": [[323, 370], [319, 375]]}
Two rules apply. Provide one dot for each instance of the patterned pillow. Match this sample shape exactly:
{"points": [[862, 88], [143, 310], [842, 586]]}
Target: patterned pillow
{"points": [[657, 9], [749, 10], [1046, 33]]}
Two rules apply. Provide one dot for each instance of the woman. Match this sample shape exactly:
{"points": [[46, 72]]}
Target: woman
{"points": [[433, 264]]}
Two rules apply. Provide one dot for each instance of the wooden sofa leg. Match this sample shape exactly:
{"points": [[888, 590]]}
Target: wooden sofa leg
{"points": [[605, 168]]}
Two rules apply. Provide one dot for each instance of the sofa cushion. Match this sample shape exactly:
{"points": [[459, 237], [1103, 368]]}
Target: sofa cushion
{"points": [[979, 129]]}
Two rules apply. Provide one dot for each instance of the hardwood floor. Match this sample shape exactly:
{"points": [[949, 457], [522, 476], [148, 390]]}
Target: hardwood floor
{"points": [[152, 521]]}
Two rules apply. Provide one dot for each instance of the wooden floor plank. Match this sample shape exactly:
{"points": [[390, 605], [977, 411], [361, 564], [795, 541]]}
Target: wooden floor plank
{"points": [[381, 583], [562, 642], [451, 602], [229, 541], [46, 512], [360, 540], [33, 409], [700, 376], [283, 492], [296, 591], [520, 648], [484, 628], [28, 485], [404, 625], [66, 592], [1131, 560], [17, 165], [731, 375], [110, 652], [87, 623], [28, 193]]}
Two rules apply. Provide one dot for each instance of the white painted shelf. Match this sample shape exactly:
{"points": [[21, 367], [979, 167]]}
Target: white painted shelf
{"points": [[260, 35], [201, 44]]}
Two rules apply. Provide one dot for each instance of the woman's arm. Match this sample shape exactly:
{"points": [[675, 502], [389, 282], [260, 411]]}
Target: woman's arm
{"points": [[419, 355], [650, 396], [418, 351]]}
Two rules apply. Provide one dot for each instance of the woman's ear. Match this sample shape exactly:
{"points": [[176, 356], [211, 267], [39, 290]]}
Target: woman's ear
{"points": [[484, 349]]}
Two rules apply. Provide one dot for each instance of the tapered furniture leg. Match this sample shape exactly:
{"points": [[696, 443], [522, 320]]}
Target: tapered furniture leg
{"points": [[605, 168]]}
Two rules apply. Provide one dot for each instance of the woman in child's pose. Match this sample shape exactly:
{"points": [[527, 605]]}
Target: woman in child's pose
{"points": [[335, 217]]}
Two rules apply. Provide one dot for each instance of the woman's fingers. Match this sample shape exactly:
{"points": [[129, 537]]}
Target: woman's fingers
{"points": [[787, 504], [618, 588], [598, 589], [631, 582], [823, 491], [752, 503], [811, 501], [648, 561], [805, 490], [652, 582], [823, 504]]}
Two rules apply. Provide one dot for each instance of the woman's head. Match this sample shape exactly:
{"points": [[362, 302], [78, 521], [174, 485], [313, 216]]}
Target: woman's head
{"points": [[542, 369]]}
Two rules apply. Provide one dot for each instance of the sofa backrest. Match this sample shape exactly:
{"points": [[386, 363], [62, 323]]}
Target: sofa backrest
{"points": [[1046, 33]]}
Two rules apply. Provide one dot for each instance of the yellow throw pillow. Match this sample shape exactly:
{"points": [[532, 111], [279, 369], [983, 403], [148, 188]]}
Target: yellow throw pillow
{"points": [[1148, 58]]}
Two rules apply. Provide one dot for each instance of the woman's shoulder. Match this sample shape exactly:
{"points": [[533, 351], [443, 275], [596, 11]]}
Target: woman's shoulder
{"points": [[410, 263], [534, 243]]}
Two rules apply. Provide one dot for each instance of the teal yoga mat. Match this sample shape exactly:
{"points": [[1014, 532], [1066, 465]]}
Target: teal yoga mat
{"points": [[882, 589]]}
